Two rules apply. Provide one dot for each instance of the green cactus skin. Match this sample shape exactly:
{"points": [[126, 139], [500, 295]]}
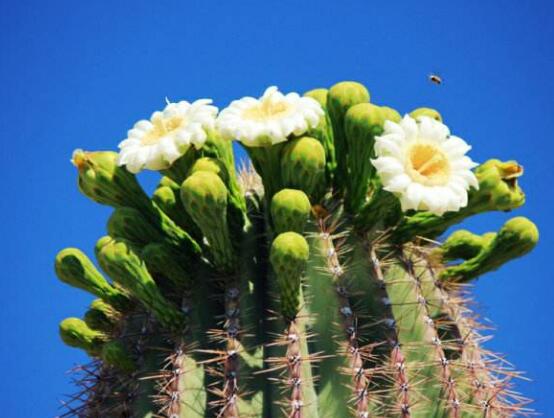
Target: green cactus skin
{"points": [[115, 353], [312, 297]]}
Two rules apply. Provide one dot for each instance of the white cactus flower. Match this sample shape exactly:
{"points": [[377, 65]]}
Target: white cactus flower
{"points": [[269, 120], [426, 167], [156, 143]]}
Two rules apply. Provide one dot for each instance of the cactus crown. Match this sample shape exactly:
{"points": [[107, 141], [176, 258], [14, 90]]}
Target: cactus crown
{"points": [[315, 286]]}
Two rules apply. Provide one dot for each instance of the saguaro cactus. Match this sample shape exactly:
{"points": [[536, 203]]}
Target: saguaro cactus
{"points": [[315, 286]]}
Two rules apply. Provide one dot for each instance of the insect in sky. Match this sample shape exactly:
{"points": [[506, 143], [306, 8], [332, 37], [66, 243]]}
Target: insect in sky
{"points": [[435, 78]]}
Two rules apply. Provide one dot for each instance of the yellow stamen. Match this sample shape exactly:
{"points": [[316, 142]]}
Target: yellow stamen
{"points": [[267, 109], [428, 164], [162, 127]]}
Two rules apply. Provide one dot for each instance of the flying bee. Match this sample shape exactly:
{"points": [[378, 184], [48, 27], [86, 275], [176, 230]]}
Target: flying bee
{"points": [[435, 78]]}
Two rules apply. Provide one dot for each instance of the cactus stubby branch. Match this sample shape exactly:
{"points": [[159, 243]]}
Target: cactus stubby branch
{"points": [[314, 284]]}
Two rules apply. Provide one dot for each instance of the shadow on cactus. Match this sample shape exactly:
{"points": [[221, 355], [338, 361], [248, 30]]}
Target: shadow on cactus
{"points": [[313, 284]]}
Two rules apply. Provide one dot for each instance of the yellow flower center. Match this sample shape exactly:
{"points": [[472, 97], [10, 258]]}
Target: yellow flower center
{"points": [[161, 127], [428, 164], [267, 109]]}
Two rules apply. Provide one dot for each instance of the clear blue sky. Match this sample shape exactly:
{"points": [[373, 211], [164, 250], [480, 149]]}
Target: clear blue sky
{"points": [[78, 74]]}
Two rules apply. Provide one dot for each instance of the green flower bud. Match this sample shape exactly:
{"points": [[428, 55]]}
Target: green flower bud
{"points": [[101, 316], [168, 198], [115, 354], [168, 182], [122, 264], [75, 268], [211, 165], [236, 206], [362, 123], [390, 114], [102, 180], [289, 255], [320, 95], [130, 224], [204, 196], [341, 97], [290, 210], [161, 258], [344, 95], [75, 333], [426, 111], [303, 166], [516, 238], [498, 187]]}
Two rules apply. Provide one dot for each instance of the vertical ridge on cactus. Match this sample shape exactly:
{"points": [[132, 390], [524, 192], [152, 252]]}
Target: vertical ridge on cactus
{"points": [[314, 283]]}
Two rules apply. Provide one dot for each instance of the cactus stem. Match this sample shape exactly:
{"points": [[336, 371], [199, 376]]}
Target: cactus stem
{"points": [[397, 360], [447, 380], [225, 361], [231, 366], [103, 392], [361, 377], [486, 380], [296, 363]]}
